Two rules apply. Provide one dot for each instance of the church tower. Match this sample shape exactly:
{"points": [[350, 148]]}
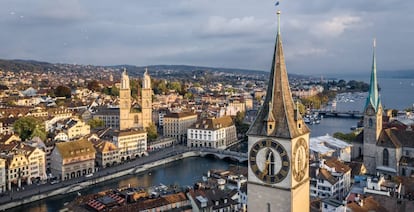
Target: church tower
{"points": [[124, 103], [146, 100], [278, 143], [372, 119]]}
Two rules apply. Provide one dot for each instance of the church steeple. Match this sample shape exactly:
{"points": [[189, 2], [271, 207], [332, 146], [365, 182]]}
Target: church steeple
{"points": [[277, 116], [124, 80], [373, 96]]}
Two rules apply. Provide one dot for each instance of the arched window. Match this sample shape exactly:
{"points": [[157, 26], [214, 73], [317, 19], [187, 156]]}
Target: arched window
{"points": [[270, 158], [370, 122], [385, 156]]}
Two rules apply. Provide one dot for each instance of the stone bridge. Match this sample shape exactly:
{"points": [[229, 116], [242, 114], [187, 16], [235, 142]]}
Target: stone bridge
{"points": [[223, 154]]}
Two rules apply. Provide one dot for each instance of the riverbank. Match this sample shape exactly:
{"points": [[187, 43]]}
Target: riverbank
{"points": [[177, 154]]}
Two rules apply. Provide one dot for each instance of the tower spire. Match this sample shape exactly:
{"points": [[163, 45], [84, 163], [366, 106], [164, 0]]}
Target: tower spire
{"points": [[278, 21], [277, 116], [373, 96]]}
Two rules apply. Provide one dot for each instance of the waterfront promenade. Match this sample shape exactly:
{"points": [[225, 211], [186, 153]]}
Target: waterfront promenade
{"points": [[35, 192]]}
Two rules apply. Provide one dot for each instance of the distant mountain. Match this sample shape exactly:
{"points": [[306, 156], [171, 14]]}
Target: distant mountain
{"points": [[37, 66], [27, 65]]}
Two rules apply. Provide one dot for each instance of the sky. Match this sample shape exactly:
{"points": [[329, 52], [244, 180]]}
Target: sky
{"points": [[319, 36]]}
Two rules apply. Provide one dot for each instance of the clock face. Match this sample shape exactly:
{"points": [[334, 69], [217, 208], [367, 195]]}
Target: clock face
{"points": [[269, 161], [300, 160]]}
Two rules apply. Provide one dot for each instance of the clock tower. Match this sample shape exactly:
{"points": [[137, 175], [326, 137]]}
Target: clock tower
{"points": [[278, 143], [372, 120]]}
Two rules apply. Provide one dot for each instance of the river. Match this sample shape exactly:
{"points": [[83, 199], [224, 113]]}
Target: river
{"points": [[183, 172]]}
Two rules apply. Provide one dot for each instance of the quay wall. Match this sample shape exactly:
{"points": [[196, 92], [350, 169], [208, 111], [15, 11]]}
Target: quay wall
{"points": [[93, 181]]}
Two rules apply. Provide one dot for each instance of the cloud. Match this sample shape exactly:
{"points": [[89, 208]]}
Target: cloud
{"points": [[336, 26], [221, 26], [323, 35]]}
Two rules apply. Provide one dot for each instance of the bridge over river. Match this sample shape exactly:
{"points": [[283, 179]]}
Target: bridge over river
{"points": [[223, 154], [340, 114]]}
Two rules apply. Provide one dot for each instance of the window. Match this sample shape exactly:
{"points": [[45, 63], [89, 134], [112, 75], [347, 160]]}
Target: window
{"points": [[370, 122], [385, 156]]}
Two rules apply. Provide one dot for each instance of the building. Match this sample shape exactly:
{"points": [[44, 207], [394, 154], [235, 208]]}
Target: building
{"points": [[6, 125], [365, 204], [278, 146], [330, 179], [211, 200], [70, 129], [125, 117], [107, 154], [380, 186], [17, 170], [72, 159], [385, 150], [328, 146], [2, 175], [218, 133], [109, 116], [171, 202], [161, 143], [130, 143], [176, 125], [37, 163]]}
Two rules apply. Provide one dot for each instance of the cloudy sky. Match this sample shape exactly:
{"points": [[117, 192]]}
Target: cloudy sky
{"points": [[319, 36]]}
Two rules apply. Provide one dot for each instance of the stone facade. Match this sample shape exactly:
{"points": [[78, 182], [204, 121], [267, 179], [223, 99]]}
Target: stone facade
{"points": [[107, 154], [278, 146], [126, 117], [2, 175], [385, 149], [72, 159], [216, 133], [176, 125], [130, 143]]}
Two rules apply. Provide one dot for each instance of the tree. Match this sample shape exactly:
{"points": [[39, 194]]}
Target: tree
{"points": [[63, 91], [152, 132], [95, 123], [27, 127], [188, 95], [238, 120], [93, 85], [345, 136], [175, 86], [39, 131]]}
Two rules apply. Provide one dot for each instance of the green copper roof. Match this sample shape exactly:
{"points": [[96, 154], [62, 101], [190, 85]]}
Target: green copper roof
{"points": [[373, 96]]}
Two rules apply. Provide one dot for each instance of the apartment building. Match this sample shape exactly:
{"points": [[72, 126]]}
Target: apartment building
{"points": [[330, 178], [72, 159], [130, 143], [176, 125], [218, 133]]}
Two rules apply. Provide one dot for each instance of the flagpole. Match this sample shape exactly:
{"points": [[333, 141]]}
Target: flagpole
{"points": [[278, 17]]}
